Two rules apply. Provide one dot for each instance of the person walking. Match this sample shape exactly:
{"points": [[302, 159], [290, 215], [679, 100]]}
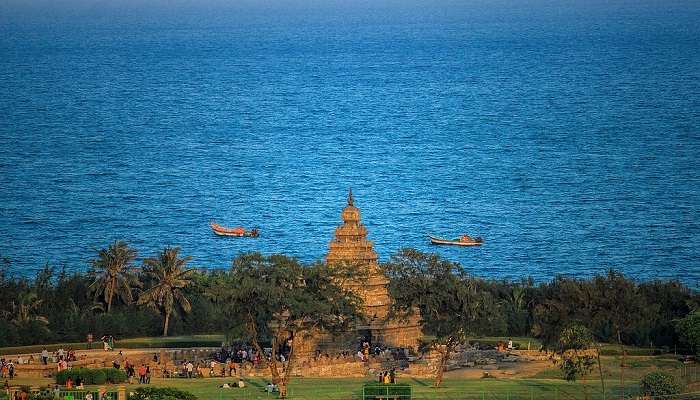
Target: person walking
{"points": [[45, 356], [142, 374], [231, 368], [190, 369]]}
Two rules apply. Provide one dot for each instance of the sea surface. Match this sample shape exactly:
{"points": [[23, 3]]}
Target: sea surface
{"points": [[566, 134]]}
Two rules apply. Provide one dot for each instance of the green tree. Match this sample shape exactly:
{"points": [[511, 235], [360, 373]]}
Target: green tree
{"points": [[446, 299], [169, 277], [516, 304], [283, 302], [672, 300], [553, 310], [575, 357], [620, 307], [112, 276], [688, 330]]}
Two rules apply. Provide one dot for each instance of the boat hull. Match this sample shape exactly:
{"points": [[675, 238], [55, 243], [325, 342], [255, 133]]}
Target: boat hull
{"points": [[232, 232], [441, 241], [244, 234]]}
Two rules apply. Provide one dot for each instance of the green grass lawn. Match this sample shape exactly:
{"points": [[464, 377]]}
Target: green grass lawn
{"points": [[545, 385], [351, 388]]}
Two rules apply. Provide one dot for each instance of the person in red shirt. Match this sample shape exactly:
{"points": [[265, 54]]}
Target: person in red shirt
{"points": [[142, 374]]}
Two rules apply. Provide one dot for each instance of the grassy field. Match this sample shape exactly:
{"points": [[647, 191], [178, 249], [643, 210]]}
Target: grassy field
{"points": [[351, 388], [546, 385]]}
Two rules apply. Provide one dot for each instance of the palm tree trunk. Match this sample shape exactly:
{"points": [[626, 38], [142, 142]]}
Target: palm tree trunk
{"points": [[167, 322], [110, 296]]}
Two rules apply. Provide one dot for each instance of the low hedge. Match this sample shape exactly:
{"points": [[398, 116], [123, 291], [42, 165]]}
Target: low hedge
{"points": [[134, 343], [37, 348], [92, 376], [631, 351], [156, 393]]}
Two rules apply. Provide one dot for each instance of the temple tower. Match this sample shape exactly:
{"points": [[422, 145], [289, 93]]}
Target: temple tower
{"points": [[350, 246]]}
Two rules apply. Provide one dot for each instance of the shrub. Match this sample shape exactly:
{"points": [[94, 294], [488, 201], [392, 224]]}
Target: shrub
{"points": [[688, 330], [114, 375], [659, 384], [156, 393], [97, 376]]}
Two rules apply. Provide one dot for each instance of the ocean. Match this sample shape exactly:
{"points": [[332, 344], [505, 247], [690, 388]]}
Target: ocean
{"points": [[566, 134]]}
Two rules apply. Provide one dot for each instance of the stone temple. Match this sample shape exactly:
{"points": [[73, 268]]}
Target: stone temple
{"points": [[350, 246]]}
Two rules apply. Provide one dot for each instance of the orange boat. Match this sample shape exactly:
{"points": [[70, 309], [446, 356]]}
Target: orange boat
{"points": [[238, 231]]}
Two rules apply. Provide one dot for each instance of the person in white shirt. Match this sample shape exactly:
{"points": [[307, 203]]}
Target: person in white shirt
{"points": [[45, 356]]}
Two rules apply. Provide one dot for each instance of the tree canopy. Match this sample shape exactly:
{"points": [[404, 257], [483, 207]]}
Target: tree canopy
{"points": [[278, 300], [168, 277], [111, 273], [446, 298]]}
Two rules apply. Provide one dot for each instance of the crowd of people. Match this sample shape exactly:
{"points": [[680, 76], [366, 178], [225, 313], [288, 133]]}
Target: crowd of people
{"points": [[204, 368], [7, 368], [61, 357], [388, 377]]}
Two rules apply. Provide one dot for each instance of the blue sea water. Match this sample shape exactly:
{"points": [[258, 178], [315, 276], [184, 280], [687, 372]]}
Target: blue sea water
{"points": [[567, 134]]}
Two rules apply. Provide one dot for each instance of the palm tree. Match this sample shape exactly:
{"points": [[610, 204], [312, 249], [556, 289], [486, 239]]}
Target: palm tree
{"points": [[112, 275], [26, 309], [169, 277]]}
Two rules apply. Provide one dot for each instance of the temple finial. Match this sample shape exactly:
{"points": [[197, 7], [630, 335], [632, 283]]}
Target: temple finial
{"points": [[350, 197]]}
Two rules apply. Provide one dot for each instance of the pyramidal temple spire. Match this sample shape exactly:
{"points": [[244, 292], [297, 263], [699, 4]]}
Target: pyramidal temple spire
{"points": [[351, 247]]}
